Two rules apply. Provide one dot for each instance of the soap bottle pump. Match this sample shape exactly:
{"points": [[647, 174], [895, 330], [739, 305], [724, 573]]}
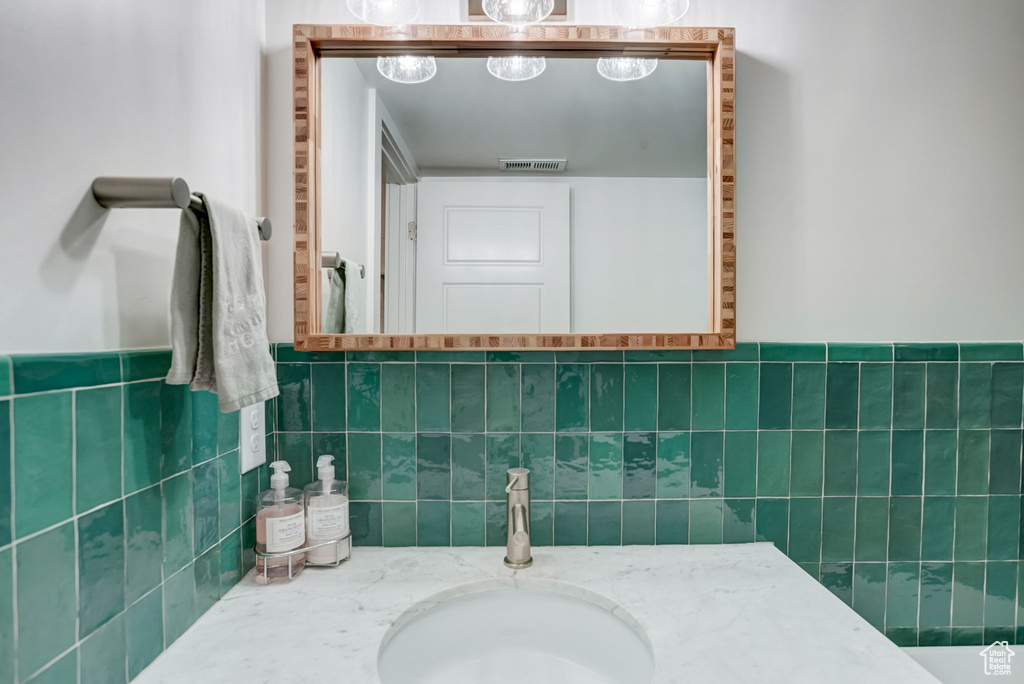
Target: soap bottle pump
{"points": [[280, 527], [327, 515]]}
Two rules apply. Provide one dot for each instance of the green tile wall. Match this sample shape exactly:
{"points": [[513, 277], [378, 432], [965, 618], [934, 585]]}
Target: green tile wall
{"points": [[123, 515], [889, 472]]}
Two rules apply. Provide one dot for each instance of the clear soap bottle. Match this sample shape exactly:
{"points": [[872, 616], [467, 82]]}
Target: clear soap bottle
{"points": [[327, 515], [280, 527]]}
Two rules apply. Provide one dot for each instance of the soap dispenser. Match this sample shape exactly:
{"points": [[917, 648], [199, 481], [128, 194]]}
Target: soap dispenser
{"points": [[327, 515], [280, 528]]}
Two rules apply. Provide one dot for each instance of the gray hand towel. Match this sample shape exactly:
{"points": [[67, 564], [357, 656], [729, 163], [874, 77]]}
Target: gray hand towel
{"points": [[334, 316], [218, 309]]}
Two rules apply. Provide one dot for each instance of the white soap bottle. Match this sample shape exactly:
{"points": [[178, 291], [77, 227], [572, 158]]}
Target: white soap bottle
{"points": [[280, 527], [327, 515]]}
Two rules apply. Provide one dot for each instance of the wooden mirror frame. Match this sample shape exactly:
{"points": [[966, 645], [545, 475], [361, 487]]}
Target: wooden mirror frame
{"points": [[713, 45]]}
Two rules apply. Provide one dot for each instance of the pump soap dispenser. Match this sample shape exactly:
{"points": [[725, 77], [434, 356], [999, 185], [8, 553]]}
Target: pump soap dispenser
{"points": [[327, 516], [280, 528]]}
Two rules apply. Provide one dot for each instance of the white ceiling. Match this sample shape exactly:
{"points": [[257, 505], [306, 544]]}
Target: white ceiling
{"points": [[463, 120]]}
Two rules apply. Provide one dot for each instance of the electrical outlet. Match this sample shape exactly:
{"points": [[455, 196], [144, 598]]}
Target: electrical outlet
{"points": [[251, 437]]}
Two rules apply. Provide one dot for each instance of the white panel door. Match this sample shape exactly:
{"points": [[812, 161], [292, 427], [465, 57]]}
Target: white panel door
{"points": [[492, 258]]}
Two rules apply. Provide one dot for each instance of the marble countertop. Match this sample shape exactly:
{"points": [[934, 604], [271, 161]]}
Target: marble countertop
{"points": [[721, 613]]}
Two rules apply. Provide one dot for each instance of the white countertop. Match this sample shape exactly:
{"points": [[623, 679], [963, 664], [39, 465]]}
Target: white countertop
{"points": [[713, 614]]}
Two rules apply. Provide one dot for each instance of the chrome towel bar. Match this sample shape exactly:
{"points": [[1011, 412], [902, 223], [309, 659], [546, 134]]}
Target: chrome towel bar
{"points": [[155, 193], [334, 260]]}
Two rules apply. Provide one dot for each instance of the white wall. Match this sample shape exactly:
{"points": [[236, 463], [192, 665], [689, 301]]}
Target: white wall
{"points": [[880, 164], [116, 87]]}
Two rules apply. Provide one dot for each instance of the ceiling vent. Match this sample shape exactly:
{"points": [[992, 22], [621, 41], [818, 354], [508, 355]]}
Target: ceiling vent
{"points": [[549, 165]]}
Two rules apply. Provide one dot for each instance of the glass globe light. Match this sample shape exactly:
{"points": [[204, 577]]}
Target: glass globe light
{"points": [[626, 68], [648, 13], [518, 13], [516, 68], [385, 12], [407, 68]]}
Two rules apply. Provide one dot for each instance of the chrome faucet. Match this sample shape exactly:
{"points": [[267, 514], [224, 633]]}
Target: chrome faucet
{"points": [[518, 494]]}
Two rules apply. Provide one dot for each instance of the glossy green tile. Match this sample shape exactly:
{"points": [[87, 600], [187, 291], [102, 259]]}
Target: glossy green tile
{"points": [[433, 523], [776, 396], [467, 384], [364, 396], [674, 396], [98, 446], [639, 457], [286, 354], [572, 399], [672, 522], [772, 522], [294, 405], [42, 461], [738, 521], [230, 561], [869, 581], [902, 595], [638, 522], [503, 452], [673, 465], [1005, 462], [838, 520], [792, 352], [744, 351], [860, 352], [641, 396], [399, 523], [967, 636], [991, 351], [331, 444], [144, 627], [1000, 594], [606, 466], [934, 636], [329, 413], [513, 356], [100, 567], [364, 466], [937, 520], [367, 525], [45, 372], [227, 432], [604, 523], [606, 397], [773, 463], [968, 593], [6, 484], [205, 412], [538, 400], [46, 605], [398, 476], [872, 525], [206, 506], [503, 397], [706, 521], [230, 490], [840, 462], [972, 462], [805, 529], [433, 466], [454, 356], [538, 455], [807, 458], [572, 466], [7, 614], [589, 356], [142, 460], [104, 655], [178, 522], [740, 464], [179, 603], [5, 376], [936, 594], [570, 523], [975, 395], [741, 394], [495, 526], [706, 464], [708, 396], [838, 578], [1004, 528], [842, 396], [208, 585], [64, 670], [382, 356], [297, 449], [927, 352], [145, 364], [907, 462], [653, 355], [250, 483], [905, 528], [908, 395], [902, 636], [467, 523], [1007, 394], [873, 458], [808, 396], [469, 458], [433, 396], [542, 523], [175, 429], [875, 396], [940, 462], [941, 395], [971, 532]]}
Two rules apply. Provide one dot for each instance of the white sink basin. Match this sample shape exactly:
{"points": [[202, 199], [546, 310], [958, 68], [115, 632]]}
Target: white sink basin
{"points": [[538, 632]]}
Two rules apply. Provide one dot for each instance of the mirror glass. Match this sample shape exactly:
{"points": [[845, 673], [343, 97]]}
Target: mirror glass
{"points": [[468, 203]]}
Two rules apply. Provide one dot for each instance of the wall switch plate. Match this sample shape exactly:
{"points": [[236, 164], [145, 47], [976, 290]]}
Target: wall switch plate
{"points": [[252, 451]]}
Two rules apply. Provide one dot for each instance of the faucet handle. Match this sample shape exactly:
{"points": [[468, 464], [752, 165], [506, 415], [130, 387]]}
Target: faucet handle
{"points": [[518, 479]]}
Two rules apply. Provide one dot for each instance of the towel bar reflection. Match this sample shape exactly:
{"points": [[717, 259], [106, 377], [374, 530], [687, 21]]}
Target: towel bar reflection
{"points": [[334, 260], [155, 193]]}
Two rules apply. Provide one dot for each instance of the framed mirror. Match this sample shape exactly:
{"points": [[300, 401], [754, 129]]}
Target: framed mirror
{"points": [[466, 187]]}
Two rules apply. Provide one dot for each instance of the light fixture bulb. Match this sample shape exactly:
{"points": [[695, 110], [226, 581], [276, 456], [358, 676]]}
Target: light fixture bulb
{"points": [[407, 68], [385, 12], [648, 13], [516, 68], [626, 68], [518, 13]]}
